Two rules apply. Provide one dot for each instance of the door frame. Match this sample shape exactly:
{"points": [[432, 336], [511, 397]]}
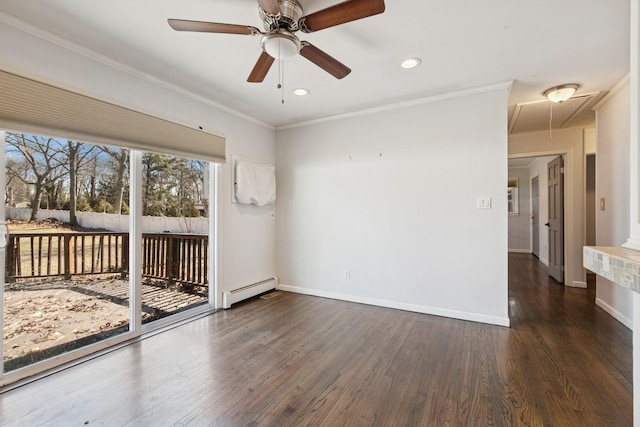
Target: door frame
{"points": [[531, 224], [570, 236]]}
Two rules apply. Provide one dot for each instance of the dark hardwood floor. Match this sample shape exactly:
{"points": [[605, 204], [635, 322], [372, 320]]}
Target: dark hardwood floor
{"points": [[299, 360]]}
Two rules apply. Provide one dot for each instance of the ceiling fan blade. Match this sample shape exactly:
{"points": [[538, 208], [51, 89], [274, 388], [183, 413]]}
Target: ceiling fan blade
{"points": [[324, 61], [261, 68], [211, 27], [347, 11], [270, 6]]}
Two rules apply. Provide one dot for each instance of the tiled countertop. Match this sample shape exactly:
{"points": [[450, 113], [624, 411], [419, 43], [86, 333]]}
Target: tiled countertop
{"points": [[620, 265]]}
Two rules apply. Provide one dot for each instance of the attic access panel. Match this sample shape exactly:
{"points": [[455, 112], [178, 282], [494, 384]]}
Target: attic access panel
{"points": [[536, 116]]}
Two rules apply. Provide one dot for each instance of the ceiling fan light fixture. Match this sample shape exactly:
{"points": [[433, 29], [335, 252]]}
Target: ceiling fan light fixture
{"points": [[561, 93], [301, 91], [281, 44], [409, 63]]}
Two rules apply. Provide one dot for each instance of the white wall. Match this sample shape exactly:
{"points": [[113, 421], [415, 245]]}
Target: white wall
{"points": [[392, 197], [245, 234], [519, 229], [612, 184], [571, 142], [634, 189]]}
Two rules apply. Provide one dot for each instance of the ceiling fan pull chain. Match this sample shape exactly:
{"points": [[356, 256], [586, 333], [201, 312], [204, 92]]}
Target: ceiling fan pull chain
{"points": [[282, 85], [280, 73], [550, 121]]}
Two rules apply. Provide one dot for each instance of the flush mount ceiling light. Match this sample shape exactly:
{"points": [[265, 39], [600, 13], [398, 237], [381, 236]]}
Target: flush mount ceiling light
{"points": [[281, 44], [411, 63], [561, 93], [301, 91]]}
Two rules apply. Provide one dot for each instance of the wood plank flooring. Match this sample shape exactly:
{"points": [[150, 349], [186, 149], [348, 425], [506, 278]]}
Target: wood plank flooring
{"points": [[297, 360]]}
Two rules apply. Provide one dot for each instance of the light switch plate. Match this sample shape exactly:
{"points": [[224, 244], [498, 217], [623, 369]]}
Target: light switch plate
{"points": [[484, 203]]}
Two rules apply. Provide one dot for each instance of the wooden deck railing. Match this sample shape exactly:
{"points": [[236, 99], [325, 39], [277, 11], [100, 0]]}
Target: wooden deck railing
{"points": [[174, 258], [66, 254], [177, 258]]}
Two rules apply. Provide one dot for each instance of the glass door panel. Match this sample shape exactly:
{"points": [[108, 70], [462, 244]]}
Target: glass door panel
{"points": [[175, 246], [67, 256]]}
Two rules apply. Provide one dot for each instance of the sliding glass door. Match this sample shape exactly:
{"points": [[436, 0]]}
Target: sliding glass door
{"points": [[97, 241]]}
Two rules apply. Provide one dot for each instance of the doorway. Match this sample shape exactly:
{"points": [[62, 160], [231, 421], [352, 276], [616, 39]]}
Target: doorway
{"points": [[535, 176]]}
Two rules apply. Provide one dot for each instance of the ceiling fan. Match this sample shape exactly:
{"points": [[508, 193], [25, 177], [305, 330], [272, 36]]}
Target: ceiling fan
{"points": [[282, 19]]}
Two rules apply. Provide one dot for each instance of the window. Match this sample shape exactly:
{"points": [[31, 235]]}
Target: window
{"points": [[512, 196]]}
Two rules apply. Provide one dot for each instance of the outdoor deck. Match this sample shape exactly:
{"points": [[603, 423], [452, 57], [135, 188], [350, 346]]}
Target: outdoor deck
{"points": [[49, 317], [67, 289]]}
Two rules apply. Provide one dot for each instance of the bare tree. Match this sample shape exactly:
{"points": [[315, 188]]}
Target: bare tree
{"points": [[120, 157], [79, 154], [44, 157], [17, 191]]}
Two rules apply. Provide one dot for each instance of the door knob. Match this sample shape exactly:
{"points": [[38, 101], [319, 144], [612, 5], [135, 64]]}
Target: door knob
{"points": [[547, 224]]}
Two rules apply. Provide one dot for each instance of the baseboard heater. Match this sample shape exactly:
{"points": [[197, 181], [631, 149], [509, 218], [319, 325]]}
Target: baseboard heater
{"points": [[236, 295]]}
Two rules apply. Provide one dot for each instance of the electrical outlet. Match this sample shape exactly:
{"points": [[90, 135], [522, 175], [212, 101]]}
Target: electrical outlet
{"points": [[347, 274]]}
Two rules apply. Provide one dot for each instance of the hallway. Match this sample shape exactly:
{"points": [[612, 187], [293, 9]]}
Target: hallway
{"points": [[581, 354]]}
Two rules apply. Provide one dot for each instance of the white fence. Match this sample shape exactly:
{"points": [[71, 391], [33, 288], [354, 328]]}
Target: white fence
{"points": [[118, 223]]}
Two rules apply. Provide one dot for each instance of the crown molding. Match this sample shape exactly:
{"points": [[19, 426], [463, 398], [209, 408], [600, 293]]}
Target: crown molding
{"points": [[400, 105], [102, 59], [613, 92]]}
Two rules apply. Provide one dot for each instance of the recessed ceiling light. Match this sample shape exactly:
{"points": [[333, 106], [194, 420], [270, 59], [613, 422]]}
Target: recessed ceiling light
{"points": [[301, 92], [411, 63]]}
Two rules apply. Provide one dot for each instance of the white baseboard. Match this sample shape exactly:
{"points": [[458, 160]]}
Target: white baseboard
{"points": [[454, 314], [520, 251], [632, 243], [544, 261], [578, 284], [615, 313]]}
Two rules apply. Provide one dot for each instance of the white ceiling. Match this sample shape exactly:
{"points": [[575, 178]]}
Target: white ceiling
{"points": [[463, 44], [521, 163]]}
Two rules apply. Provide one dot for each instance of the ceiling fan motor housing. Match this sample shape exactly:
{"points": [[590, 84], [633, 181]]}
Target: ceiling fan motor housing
{"points": [[290, 13]]}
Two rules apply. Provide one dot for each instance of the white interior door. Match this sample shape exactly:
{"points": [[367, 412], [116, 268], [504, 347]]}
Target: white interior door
{"points": [[556, 219]]}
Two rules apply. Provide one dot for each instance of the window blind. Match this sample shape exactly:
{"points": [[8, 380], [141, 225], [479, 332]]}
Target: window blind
{"points": [[29, 106]]}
